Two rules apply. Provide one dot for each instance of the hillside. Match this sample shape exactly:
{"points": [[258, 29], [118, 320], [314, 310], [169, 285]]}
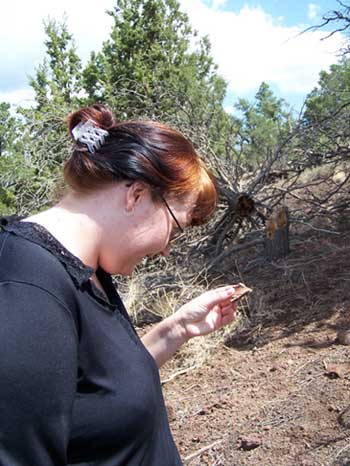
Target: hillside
{"points": [[276, 391]]}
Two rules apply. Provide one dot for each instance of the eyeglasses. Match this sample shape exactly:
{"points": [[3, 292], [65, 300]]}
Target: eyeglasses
{"points": [[175, 219]]}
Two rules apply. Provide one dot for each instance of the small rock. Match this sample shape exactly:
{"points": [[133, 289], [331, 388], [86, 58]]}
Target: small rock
{"points": [[217, 405], [267, 427], [202, 411], [333, 408], [307, 462], [249, 442], [343, 337], [337, 370], [344, 418]]}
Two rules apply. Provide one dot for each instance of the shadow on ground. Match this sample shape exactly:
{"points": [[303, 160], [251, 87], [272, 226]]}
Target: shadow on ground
{"points": [[310, 288]]}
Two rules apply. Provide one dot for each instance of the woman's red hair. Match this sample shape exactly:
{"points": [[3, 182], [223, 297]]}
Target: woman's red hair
{"points": [[141, 150]]}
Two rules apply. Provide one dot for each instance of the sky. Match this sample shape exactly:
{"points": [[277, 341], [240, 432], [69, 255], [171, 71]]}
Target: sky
{"points": [[252, 41]]}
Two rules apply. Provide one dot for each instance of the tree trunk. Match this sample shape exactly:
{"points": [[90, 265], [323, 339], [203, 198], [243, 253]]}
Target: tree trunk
{"points": [[277, 235]]}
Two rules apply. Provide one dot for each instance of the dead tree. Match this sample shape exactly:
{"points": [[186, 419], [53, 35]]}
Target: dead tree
{"points": [[277, 235]]}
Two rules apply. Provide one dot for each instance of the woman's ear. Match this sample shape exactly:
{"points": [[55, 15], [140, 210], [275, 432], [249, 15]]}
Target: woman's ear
{"points": [[135, 193]]}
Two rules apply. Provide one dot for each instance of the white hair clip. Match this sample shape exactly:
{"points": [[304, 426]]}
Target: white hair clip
{"points": [[90, 135]]}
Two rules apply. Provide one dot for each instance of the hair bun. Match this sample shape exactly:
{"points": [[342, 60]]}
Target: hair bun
{"points": [[99, 114]]}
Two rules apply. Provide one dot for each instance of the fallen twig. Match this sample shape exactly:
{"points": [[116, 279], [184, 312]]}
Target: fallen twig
{"points": [[322, 230], [233, 249], [202, 450], [183, 371]]}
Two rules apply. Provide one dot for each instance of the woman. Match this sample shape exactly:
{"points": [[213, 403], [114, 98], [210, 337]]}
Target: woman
{"points": [[78, 386]]}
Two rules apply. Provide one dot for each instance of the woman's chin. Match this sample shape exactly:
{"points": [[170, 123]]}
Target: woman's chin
{"points": [[129, 268], [127, 271]]}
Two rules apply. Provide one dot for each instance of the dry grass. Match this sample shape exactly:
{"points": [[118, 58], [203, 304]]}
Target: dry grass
{"points": [[147, 306], [337, 171], [315, 173]]}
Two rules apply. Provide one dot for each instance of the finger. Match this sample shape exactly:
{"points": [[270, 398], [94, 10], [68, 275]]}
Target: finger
{"points": [[228, 318], [219, 295], [236, 290], [228, 306], [228, 309], [228, 302]]}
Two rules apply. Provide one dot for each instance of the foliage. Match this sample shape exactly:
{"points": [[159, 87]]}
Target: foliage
{"points": [[34, 141], [26, 182], [332, 93], [10, 130], [58, 79], [154, 66], [13, 169], [263, 125], [147, 60], [327, 114]]}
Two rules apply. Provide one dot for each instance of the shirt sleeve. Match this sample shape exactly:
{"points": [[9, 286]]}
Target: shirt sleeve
{"points": [[38, 373]]}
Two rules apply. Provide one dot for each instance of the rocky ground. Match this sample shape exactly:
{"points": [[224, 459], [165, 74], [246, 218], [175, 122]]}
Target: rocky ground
{"points": [[277, 390]]}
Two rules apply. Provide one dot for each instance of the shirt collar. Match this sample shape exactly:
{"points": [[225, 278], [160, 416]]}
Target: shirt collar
{"points": [[38, 234]]}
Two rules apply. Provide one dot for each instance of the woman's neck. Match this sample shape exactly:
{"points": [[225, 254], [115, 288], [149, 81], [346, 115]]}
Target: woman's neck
{"points": [[76, 231]]}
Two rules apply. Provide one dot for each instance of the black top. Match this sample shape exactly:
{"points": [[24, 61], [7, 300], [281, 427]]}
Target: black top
{"points": [[77, 386]]}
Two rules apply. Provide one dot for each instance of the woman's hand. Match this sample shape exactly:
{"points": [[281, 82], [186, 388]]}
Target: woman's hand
{"points": [[202, 315], [206, 313]]}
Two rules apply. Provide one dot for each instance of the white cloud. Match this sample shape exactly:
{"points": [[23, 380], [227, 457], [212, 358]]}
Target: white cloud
{"points": [[313, 10], [251, 46], [22, 33], [19, 97], [217, 4]]}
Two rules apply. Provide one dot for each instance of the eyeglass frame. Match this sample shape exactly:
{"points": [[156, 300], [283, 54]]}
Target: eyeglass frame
{"points": [[168, 208], [173, 215]]}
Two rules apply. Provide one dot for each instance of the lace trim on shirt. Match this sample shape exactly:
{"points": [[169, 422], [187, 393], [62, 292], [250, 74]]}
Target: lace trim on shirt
{"points": [[39, 235]]}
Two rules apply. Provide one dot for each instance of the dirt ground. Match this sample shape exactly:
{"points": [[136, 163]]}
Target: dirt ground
{"points": [[277, 391]]}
